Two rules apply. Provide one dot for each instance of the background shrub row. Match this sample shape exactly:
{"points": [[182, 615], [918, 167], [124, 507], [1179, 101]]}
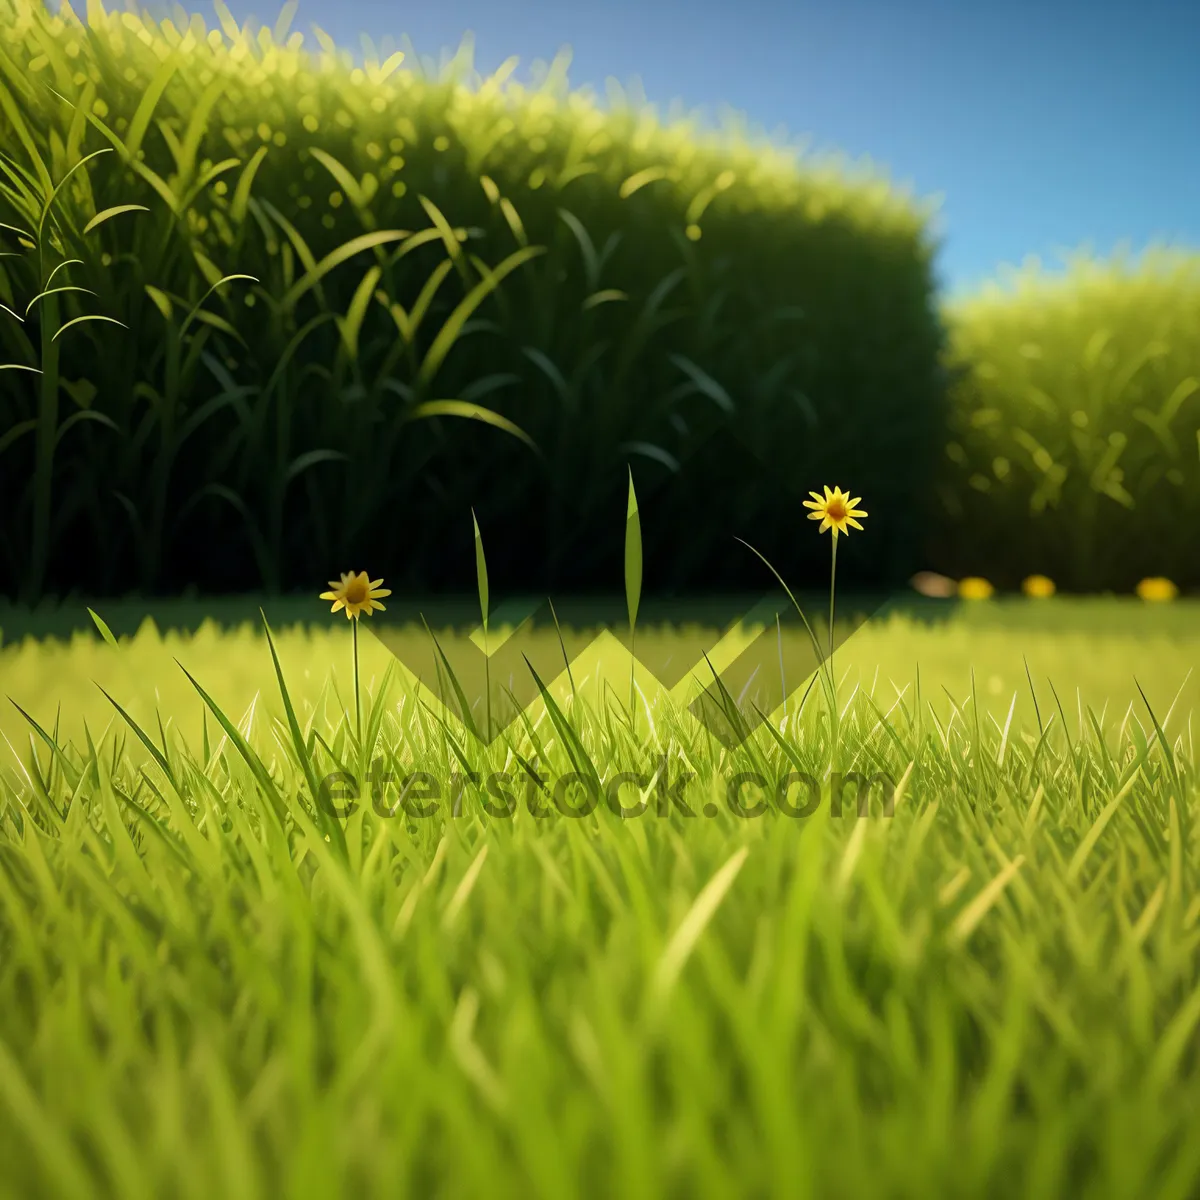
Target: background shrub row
{"points": [[595, 288], [1074, 446]]}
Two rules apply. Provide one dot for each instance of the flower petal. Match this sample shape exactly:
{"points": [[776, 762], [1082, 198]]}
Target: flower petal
{"points": [[817, 516], [852, 521], [380, 591]]}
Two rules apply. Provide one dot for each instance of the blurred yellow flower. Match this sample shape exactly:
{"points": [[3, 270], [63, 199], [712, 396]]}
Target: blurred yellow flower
{"points": [[974, 588], [356, 593], [835, 510], [1157, 589], [1038, 586]]}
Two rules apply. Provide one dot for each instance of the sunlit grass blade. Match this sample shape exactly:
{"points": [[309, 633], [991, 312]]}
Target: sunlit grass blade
{"points": [[326, 820], [105, 632], [261, 775]]}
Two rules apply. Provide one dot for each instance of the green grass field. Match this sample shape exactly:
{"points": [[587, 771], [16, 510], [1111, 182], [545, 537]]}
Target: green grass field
{"points": [[209, 985]]}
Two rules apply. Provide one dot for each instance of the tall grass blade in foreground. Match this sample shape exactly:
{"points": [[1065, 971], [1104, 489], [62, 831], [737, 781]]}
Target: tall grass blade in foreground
{"points": [[427, 1005], [481, 583], [633, 580], [105, 632]]}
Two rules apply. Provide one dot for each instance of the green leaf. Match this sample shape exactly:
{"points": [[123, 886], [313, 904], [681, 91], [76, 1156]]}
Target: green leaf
{"points": [[351, 325], [20, 429], [633, 555], [287, 14], [198, 126], [145, 109], [241, 193], [161, 301], [105, 632], [640, 179], [61, 184], [310, 458], [335, 258], [341, 176], [704, 383], [605, 296], [84, 414], [143, 737], [82, 391], [55, 291], [481, 578], [471, 412], [219, 283], [326, 820], [574, 747], [101, 217], [88, 317], [453, 327], [445, 232], [464, 707], [257, 768]]}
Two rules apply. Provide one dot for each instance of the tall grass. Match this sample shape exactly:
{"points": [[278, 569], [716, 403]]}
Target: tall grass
{"points": [[1075, 444], [309, 255], [207, 988]]}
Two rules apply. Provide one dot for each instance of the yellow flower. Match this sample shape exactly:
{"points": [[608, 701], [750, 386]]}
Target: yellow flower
{"points": [[1157, 589], [974, 588], [356, 594], [1038, 586], [835, 510]]}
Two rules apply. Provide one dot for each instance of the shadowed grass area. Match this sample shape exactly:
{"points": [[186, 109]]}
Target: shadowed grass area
{"points": [[1090, 649], [212, 984]]}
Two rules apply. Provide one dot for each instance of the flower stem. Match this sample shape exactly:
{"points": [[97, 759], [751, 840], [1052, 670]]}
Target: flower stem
{"points": [[357, 699], [632, 669], [833, 709], [832, 580]]}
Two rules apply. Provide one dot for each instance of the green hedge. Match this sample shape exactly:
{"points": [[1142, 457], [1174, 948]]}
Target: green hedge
{"points": [[1075, 449], [737, 328]]}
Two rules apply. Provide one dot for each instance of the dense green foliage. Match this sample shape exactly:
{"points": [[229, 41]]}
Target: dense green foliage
{"points": [[995, 992], [736, 328], [1075, 448]]}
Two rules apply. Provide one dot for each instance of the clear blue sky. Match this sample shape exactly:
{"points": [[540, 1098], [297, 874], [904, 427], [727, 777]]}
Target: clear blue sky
{"points": [[1041, 125]]}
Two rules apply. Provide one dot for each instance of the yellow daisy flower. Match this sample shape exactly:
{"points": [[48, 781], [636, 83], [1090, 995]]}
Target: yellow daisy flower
{"points": [[1038, 586], [1157, 589], [356, 593], [974, 588], [835, 510]]}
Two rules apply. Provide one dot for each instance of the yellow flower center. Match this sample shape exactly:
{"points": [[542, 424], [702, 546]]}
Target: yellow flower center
{"points": [[356, 591], [835, 510]]}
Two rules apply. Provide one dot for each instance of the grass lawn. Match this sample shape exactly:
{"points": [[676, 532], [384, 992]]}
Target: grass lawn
{"points": [[210, 985]]}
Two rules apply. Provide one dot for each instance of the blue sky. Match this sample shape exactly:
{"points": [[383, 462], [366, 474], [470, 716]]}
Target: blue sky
{"points": [[1042, 126]]}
